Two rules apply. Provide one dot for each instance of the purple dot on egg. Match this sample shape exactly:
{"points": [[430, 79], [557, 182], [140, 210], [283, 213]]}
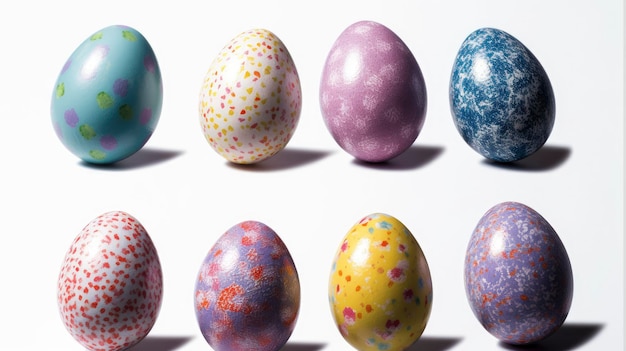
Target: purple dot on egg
{"points": [[93, 61], [148, 62], [146, 116], [58, 131], [108, 142], [71, 118], [120, 87], [67, 65]]}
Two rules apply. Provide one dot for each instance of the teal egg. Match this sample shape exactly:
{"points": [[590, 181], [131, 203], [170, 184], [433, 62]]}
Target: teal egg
{"points": [[107, 99]]}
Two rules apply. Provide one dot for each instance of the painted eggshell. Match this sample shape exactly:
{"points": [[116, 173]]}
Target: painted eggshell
{"points": [[372, 93], [501, 98], [518, 277], [251, 99], [110, 286], [247, 295], [107, 99], [380, 291]]}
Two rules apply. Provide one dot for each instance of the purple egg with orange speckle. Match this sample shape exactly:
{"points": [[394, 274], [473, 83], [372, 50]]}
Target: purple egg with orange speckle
{"points": [[247, 295], [518, 276]]}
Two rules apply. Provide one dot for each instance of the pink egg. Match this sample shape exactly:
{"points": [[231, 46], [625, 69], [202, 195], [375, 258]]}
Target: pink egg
{"points": [[372, 93], [110, 285]]}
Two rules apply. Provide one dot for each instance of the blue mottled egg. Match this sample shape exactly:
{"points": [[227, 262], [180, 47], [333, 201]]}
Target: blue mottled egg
{"points": [[107, 98], [501, 98], [518, 276]]}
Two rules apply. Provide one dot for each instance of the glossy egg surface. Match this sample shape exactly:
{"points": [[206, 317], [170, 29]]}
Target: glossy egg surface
{"points": [[372, 93], [250, 100], [247, 295], [109, 290], [107, 99], [518, 276], [501, 98], [380, 290]]}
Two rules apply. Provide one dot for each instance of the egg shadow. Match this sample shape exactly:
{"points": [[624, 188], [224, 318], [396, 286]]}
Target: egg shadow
{"points": [[413, 158], [546, 158], [429, 343], [142, 158], [303, 346], [161, 343], [287, 158], [569, 337]]}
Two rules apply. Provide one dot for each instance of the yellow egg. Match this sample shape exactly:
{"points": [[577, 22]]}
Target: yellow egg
{"points": [[380, 290]]}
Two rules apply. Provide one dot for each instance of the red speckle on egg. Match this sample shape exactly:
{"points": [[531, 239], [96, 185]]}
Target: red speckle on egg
{"points": [[89, 302]]}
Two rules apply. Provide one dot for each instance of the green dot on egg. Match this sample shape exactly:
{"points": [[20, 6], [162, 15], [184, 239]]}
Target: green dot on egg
{"points": [[86, 131], [97, 154]]}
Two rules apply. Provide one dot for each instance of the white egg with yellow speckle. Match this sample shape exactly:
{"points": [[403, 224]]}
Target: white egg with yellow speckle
{"points": [[251, 98]]}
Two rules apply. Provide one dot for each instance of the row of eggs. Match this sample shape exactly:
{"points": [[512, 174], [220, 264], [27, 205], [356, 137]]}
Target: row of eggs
{"points": [[107, 99], [517, 275]]}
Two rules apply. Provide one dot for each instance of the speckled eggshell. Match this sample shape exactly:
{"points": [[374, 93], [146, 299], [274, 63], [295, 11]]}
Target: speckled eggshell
{"points": [[247, 295], [380, 290], [107, 99], [110, 286], [518, 276], [501, 98], [250, 100], [372, 93]]}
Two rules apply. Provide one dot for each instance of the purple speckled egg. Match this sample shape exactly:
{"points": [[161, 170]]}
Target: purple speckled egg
{"points": [[518, 276], [372, 93], [247, 295]]}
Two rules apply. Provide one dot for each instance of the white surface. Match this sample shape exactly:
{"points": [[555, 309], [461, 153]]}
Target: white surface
{"points": [[312, 192]]}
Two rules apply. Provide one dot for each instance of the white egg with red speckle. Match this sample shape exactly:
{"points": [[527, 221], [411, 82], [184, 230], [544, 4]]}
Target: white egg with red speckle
{"points": [[110, 286]]}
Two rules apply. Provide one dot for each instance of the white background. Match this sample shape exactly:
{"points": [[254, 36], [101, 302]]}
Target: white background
{"points": [[312, 192]]}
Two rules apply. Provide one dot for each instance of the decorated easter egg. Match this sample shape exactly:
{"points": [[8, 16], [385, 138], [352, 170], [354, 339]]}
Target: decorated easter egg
{"points": [[247, 295], [380, 290], [110, 286], [107, 99], [251, 99], [518, 276], [501, 98], [372, 93]]}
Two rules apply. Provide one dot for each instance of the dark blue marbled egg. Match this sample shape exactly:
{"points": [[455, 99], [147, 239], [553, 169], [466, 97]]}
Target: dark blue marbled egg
{"points": [[501, 98]]}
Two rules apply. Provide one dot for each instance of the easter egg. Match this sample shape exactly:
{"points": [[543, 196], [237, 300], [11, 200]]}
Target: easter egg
{"points": [[107, 99], [372, 93], [110, 287], [501, 98], [247, 295], [518, 276], [250, 100], [380, 290]]}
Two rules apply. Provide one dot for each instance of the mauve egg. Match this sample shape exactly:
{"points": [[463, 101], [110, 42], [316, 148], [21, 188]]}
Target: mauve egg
{"points": [[107, 99], [247, 295], [110, 287], [518, 276], [250, 100], [372, 93], [501, 98]]}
